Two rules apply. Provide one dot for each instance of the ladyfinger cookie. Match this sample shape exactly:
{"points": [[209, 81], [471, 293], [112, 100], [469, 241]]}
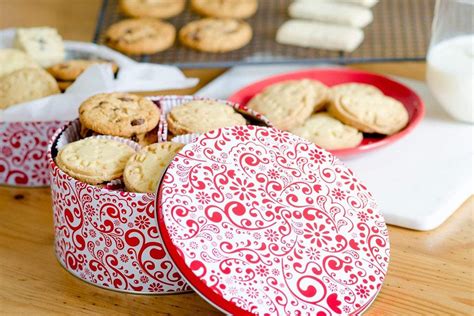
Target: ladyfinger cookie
{"points": [[319, 35]]}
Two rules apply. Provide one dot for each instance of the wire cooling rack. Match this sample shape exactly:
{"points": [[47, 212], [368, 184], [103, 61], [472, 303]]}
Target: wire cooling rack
{"points": [[399, 32]]}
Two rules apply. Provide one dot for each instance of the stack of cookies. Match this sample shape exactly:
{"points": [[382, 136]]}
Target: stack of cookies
{"points": [[333, 118], [145, 32], [111, 125]]}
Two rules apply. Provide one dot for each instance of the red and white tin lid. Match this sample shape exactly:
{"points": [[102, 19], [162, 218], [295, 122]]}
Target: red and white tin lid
{"points": [[260, 221]]}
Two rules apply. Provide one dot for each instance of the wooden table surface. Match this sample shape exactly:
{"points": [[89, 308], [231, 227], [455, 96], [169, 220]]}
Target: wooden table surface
{"points": [[429, 272]]}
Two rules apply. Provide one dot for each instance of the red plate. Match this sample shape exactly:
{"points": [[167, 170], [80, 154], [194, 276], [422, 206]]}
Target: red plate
{"points": [[333, 76], [260, 221]]}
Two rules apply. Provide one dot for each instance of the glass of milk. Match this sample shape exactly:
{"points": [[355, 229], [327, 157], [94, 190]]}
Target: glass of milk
{"points": [[450, 60]]}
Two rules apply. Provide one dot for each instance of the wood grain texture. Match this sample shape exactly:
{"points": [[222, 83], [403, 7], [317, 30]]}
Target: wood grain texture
{"points": [[430, 272]]}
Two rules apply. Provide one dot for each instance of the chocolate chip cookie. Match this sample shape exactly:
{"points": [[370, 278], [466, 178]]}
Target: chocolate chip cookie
{"points": [[216, 35], [238, 9], [161, 9], [71, 69], [140, 36], [119, 114]]}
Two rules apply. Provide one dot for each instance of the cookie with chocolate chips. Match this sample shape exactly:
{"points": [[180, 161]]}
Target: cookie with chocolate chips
{"points": [[160, 9], [140, 36], [238, 9], [119, 114], [216, 35], [69, 70]]}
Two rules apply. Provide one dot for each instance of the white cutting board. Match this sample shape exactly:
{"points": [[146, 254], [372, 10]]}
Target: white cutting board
{"points": [[418, 181]]}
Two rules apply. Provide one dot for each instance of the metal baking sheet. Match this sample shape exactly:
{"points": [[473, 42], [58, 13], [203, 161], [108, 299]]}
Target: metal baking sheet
{"points": [[399, 32]]}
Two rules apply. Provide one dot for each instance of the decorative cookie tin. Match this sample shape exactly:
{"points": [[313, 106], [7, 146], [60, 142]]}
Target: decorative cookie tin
{"points": [[23, 152], [260, 221], [110, 238]]}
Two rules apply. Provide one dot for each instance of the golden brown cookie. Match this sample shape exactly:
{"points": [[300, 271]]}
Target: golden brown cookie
{"points": [[289, 103], [94, 160], [119, 114], [355, 88], [145, 139], [161, 9], [144, 170], [14, 59], [370, 114], [216, 35], [237, 9], [201, 116], [140, 36], [328, 133], [24, 85], [69, 70]]}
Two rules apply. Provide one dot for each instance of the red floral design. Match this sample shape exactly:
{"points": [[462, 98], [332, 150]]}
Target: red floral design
{"points": [[252, 292], [243, 189], [317, 233], [142, 222], [294, 249], [203, 198], [279, 136], [350, 180], [155, 287], [240, 133], [273, 174], [23, 152], [363, 216], [271, 235], [362, 291], [338, 194], [313, 253], [317, 156], [7, 151], [262, 270]]}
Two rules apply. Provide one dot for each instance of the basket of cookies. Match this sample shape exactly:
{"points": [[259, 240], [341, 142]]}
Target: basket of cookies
{"points": [[35, 64], [105, 168], [22, 79]]}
